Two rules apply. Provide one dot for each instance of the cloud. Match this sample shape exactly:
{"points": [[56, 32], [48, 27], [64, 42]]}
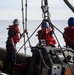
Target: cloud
{"points": [[61, 14], [12, 9], [9, 15], [10, 5]]}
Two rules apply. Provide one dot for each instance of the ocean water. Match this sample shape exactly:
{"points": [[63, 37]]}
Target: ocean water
{"points": [[31, 26]]}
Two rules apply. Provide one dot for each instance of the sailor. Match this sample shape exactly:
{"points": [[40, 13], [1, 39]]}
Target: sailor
{"points": [[68, 33], [14, 36], [46, 35]]}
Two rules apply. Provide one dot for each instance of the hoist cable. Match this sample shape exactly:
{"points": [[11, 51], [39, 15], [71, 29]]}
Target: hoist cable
{"points": [[43, 60]]}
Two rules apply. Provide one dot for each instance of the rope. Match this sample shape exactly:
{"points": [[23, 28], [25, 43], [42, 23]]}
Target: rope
{"points": [[43, 60], [29, 37], [59, 31]]}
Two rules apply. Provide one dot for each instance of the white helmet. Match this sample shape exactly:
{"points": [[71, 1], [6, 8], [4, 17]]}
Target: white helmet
{"points": [[16, 21]]}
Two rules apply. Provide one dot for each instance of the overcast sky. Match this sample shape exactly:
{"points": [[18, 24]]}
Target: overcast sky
{"points": [[10, 9]]}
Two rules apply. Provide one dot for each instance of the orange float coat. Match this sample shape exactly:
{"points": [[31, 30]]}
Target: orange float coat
{"points": [[16, 37], [69, 32], [45, 34]]}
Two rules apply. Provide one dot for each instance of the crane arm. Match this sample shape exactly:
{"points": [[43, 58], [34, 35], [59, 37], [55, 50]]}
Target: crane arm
{"points": [[69, 5]]}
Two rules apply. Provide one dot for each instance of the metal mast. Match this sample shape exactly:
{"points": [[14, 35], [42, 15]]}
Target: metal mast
{"points": [[26, 22], [23, 24]]}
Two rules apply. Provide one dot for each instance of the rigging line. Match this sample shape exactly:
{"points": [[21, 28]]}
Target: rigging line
{"points": [[29, 37], [60, 45], [63, 52], [26, 21], [69, 5], [54, 34], [23, 24], [59, 30], [49, 21]]}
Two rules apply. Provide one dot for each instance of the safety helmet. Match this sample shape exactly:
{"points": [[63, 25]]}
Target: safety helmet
{"points": [[71, 21], [45, 24], [16, 21]]}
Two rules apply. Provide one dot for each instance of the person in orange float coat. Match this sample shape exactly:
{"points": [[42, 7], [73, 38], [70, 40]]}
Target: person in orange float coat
{"points": [[68, 33], [14, 36], [46, 34]]}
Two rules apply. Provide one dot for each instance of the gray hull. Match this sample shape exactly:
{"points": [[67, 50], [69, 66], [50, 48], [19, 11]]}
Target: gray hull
{"points": [[20, 56], [22, 66]]}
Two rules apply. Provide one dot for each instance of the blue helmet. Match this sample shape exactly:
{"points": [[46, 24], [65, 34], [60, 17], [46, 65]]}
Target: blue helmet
{"points": [[71, 21], [44, 24]]}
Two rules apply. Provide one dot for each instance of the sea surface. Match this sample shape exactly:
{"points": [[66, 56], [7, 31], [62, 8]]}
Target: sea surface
{"points": [[31, 27]]}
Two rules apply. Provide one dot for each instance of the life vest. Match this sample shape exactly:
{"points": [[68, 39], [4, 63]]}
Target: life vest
{"points": [[69, 32], [45, 34], [16, 37]]}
